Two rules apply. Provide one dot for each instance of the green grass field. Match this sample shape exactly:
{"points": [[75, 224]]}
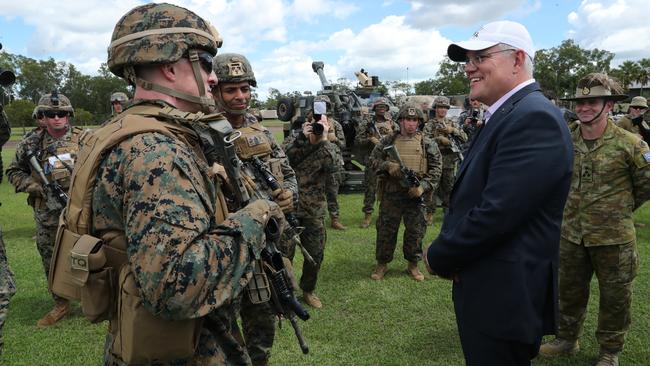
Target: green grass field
{"points": [[392, 322]]}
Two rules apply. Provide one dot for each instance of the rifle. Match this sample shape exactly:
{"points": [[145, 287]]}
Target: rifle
{"points": [[282, 296], [294, 229], [373, 128], [410, 177], [455, 143], [61, 198]]}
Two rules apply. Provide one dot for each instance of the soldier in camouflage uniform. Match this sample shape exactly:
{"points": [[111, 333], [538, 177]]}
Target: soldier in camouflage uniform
{"points": [[336, 137], [5, 134], [7, 282], [118, 102], [55, 149], [471, 120], [371, 129], [233, 96], [633, 121], [314, 159], [449, 138], [155, 190], [399, 201], [611, 178]]}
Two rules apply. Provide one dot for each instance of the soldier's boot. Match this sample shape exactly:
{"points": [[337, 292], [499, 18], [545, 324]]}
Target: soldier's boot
{"points": [[61, 309], [379, 272], [414, 272], [429, 218], [366, 221], [607, 358], [336, 223], [558, 347], [312, 300]]}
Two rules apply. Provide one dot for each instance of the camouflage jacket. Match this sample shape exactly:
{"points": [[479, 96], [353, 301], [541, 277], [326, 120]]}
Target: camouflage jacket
{"points": [[640, 129], [429, 179], [364, 131], [5, 128], [609, 182], [432, 129], [313, 164], [21, 174], [336, 135], [159, 193]]}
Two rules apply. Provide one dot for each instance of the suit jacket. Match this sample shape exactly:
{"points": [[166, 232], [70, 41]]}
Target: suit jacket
{"points": [[500, 236]]}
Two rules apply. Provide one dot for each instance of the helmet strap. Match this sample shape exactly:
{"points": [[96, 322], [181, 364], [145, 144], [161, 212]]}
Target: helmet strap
{"points": [[598, 115], [222, 106]]}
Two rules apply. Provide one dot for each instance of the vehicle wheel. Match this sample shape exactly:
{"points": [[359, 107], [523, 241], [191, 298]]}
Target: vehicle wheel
{"points": [[285, 109]]}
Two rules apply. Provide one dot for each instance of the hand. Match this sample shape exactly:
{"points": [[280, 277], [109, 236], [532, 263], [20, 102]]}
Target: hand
{"points": [[468, 121], [35, 189], [393, 169], [249, 183], [416, 192], [374, 140], [284, 199], [443, 141], [332, 137], [263, 210], [449, 130]]}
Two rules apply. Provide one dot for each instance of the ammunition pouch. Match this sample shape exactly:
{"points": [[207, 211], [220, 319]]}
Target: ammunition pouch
{"points": [[139, 337]]}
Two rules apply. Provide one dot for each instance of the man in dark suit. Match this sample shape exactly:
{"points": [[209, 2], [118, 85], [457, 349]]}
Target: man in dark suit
{"points": [[500, 237]]}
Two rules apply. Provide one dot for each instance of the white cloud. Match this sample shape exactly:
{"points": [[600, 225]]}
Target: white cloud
{"points": [[311, 10], [427, 14], [619, 26], [385, 49]]}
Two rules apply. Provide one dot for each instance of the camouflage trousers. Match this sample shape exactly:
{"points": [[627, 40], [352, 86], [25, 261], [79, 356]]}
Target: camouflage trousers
{"points": [[332, 192], [392, 209], [45, 236], [615, 267], [7, 288], [449, 167], [258, 325], [370, 182], [313, 239]]}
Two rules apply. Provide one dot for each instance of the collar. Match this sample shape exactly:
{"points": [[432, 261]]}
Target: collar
{"points": [[494, 107]]}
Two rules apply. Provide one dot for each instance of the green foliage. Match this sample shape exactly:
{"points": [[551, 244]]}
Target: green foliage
{"points": [[82, 117], [450, 80], [275, 96], [392, 322], [20, 112]]}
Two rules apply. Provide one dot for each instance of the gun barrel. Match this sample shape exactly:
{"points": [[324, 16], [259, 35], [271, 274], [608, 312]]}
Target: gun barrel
{"points": [[318, 66], [301, 340], [36, 166]]}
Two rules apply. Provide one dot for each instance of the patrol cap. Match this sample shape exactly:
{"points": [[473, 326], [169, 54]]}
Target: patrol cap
{"points": [[639, 101], [504, 31], [597, 85]]}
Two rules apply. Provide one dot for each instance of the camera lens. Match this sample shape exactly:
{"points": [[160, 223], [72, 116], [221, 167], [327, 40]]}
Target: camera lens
{"points": [[317, 128]]}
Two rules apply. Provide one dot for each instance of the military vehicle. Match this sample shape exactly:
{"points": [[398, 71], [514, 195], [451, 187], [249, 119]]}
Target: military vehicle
{"points": [[348, 108]]}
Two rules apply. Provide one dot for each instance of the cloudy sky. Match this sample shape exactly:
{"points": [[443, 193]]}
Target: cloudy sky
{"points": [[394, 39]]}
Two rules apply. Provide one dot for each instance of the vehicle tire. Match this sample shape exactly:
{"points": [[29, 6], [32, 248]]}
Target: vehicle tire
{"points": [[285, 109]]}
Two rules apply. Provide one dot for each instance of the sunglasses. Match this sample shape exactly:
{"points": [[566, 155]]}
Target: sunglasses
{"points": [[205, 60], [52, 114], [636, 107]]}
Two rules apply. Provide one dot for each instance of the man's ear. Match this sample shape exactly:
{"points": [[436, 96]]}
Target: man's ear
{"points": [[168, 71]]}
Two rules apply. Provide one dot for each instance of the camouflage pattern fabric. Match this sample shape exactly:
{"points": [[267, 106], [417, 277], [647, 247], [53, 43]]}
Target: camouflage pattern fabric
{"points": [[470, 129], [158, 192], [362, 138], [616, 267], [5, 134], [313, 165], [450, 160], [611, 178], [337, 137], [7, 288], [396, 205], [20, 174], [259, 320], [638, 127]]}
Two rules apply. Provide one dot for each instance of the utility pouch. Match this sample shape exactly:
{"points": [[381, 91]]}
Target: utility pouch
{"points": [[88, 261], [258, 288], [139, 337], [60, 280]]}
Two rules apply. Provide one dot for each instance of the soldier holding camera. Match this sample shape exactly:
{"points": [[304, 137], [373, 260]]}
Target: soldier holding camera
{"points": [[314, 159], [471, 120]]}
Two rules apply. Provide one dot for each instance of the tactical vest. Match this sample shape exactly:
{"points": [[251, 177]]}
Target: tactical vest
{"points": [[55, 168], [95, 270], [411, 151], [385, 127], [254, 142]]}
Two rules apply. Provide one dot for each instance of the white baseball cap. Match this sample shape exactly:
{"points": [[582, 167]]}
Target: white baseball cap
{"points": [[491, 34]]}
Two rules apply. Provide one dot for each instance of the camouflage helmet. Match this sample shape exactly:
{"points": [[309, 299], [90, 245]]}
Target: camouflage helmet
{"points": [[410, 110], [380, 101], [158, 34], [598, 85], [441, 102], [35, 113], [639, 101], [119, 97], [54, 102], [233, 68]]}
